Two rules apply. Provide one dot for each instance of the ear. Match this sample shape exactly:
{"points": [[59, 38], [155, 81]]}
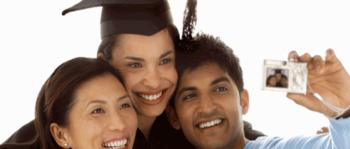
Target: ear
{"points": [[60, 135], [172, 117], [101, 56], [245, 101]]}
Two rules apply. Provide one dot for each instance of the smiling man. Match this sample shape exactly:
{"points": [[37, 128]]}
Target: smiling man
{"points": [[210, 109], [210, 99]]}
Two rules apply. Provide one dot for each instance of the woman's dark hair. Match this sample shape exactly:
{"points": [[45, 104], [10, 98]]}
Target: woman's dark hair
{"points": [[108, 43], [56, 96]]}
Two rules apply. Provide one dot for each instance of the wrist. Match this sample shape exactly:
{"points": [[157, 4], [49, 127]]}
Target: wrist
{"points": [[344, 114], [330, 113]]}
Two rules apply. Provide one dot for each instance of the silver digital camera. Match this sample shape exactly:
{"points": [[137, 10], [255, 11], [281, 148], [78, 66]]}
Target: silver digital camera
{"points": [[287, 76]]}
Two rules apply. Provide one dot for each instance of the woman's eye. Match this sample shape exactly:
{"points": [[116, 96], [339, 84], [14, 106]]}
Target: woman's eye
{"points": [[165, 61], [98, 111], [220, 89], [125, 105], [135, 65]]}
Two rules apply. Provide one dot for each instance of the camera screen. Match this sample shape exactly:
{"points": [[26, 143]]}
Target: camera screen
{"points": [[276, 77], [285, 76]]}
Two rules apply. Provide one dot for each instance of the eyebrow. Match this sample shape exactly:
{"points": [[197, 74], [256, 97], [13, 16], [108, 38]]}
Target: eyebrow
{"points": [[134, 58], [104, 102], [140, 59], [187, 89], [123, 97], [220, 79], [96, 101], [166, 54]]}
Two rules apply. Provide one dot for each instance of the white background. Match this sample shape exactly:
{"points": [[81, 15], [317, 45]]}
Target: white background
{"points": [[35, 39]]}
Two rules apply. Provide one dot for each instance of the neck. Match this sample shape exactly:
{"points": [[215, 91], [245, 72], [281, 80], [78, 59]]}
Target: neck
{"points": [[236, 143], [145, 124], [240, 143]]}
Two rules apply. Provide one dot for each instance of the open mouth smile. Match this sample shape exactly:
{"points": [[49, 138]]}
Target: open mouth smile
{"points": [[209, 124], [152, 98], [116, 144]]}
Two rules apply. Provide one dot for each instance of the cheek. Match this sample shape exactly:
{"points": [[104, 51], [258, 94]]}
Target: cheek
{"points": [[130, 118], [232, 108], [131, 79], [169, 73], [185, 117], [89, 132]]}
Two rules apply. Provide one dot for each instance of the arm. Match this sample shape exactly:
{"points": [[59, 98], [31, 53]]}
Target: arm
{"points": [[337, 138]]}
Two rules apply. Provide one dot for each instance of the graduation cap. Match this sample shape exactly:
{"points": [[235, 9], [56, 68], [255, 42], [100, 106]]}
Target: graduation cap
{"points": [[144, 17]]}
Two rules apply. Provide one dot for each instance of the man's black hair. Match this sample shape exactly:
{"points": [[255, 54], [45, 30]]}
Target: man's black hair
{"points": [[205, 49]]}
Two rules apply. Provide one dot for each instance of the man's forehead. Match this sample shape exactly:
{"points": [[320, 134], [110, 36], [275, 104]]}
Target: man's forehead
{"points": [[205, 73]]}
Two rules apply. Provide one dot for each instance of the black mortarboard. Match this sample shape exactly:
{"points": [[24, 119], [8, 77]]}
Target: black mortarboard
{"points": [[144, 17]]}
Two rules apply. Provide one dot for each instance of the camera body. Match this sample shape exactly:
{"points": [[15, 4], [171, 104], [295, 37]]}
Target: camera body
{"points": [[287, 76]]}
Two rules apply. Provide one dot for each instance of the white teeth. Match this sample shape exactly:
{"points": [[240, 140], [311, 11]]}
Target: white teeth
{"points": [[210, 123], [115, 144], [151, 97]]}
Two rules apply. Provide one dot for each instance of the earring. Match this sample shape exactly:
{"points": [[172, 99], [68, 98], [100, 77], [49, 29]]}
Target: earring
{"points": [[66, 145]]}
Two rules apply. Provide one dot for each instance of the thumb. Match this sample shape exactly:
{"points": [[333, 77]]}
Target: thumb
{"points": [[308, 101], [312, 103]]}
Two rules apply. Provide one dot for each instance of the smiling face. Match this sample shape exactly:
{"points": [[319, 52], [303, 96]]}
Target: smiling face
{"points": [[271, 81], [148, 65], [102, 116], [209, 108]]}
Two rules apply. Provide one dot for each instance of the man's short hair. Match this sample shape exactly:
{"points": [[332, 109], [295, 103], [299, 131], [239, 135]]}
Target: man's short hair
{"points": [[203, 49]]}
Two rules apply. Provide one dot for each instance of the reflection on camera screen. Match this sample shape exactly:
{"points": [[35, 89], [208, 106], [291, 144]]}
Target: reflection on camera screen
{"points": [[277, 78]]}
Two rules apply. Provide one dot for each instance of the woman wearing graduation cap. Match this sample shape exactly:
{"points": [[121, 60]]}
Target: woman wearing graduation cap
{"points": [[138, 38]]}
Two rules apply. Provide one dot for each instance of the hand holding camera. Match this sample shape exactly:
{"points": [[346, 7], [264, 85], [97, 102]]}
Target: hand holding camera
{"points": [[327, 78]]}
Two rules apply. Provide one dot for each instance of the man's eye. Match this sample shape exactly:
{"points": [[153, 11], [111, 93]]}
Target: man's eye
{"points": [[125, 105], [98, 111], [220, 89], [188, 97], [135, 65], [165, 61]]}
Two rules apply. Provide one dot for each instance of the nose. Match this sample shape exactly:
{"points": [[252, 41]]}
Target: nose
{"points": [[207, 104], [116, 122], [152, 78]]}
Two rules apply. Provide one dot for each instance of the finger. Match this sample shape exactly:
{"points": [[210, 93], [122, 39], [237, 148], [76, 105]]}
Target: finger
{"points": [[317, 64], [323, 130], [309, 101], [305, 58], [293, 56], [331, 57]]}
